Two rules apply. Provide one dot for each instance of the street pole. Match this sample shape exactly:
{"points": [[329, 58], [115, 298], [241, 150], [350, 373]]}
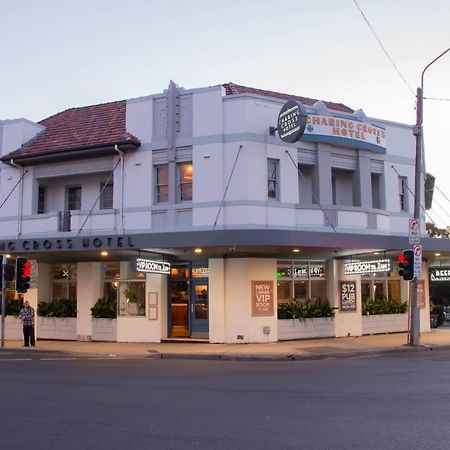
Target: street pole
{"points": [[4, 262], [414, 335]]}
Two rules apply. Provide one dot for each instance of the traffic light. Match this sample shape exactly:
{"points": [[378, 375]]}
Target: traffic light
{"points": [[23, 270], [406, 265]]}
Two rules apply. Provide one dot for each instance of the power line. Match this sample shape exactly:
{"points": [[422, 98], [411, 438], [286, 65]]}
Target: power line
{"points": [[448, 199], [437, 98], [384, 50]]}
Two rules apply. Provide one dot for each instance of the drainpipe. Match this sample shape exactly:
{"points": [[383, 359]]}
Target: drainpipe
{"points": [[19, 216], [122, 172]]}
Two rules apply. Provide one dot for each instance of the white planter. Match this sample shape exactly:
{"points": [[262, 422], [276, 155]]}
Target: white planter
{"points": [[62, 328], [384, 323], [305, 329], [104, 330], [13, 328]]}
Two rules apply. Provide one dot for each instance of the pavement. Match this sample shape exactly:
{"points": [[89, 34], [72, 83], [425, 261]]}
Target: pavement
{"points": [[310, 349]]}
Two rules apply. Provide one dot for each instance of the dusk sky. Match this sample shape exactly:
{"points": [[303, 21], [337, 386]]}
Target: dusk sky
{"points": [[58, 54]]}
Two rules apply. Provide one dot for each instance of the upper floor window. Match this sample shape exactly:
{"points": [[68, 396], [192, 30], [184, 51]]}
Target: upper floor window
{"points": [[342, 187], [162, 183], [184, 182], [42, 200], [272, 178], [74, 198], [106, 195], [402, 193]]}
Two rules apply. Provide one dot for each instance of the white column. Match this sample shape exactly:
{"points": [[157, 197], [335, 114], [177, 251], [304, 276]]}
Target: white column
{"points": [[89, 289], [216, 294]]}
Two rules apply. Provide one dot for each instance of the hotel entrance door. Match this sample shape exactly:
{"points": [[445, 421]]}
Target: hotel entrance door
{"points": [[189, 309]]}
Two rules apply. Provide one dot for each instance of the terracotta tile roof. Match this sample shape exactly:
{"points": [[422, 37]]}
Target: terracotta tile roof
{"points": [[79, 128], [232, 89]]}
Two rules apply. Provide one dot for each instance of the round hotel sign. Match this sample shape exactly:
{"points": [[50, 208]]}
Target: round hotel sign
{"points": [[291, 121]]}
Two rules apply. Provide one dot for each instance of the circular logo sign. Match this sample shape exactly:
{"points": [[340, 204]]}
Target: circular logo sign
{"points": [[291, 121]]}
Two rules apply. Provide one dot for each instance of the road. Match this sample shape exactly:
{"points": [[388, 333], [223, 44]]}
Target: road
{"points": [[383, 402]]}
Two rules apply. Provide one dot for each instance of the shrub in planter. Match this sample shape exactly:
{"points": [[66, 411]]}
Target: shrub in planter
{"points": [[104, 308], [383, 305], [58, 307], [13, 307], [297, 309]]}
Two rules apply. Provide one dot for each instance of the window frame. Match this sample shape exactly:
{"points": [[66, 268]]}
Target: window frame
{"points": [[183, 186], [273, 179], [106, 187], [158, 185], [42, 199]]}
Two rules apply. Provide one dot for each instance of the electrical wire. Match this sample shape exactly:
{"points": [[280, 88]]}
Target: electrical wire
{"points": [[312, 192], [448, 199], [384, 50]]}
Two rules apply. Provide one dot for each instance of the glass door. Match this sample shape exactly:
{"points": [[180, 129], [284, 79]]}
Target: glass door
{"points": [[199, 309], [179, 299]]}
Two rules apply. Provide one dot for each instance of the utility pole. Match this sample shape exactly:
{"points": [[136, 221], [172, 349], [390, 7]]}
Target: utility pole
{"points": [[414, 336], [4, 261]]}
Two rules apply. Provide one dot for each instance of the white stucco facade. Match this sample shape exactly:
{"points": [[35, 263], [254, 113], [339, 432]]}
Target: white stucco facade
{"points": [[334, 199]]}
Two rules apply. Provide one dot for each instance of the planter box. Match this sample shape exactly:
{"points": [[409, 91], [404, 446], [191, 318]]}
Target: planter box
{"points": [[13, 328], [305, 329], [104, 330], [384, 323], [61, 328]]}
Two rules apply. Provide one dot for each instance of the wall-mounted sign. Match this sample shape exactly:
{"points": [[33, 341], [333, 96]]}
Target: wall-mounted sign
{"points": [[200, 272], [421, 294], [149, 266], [363, 267], [314, 272], [262, 298], [291, 121], [325, 127], [302, 272], [347, 295], [441, 274]]}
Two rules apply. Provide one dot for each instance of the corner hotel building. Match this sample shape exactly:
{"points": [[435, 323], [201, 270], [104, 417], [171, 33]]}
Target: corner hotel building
{"points": [[189, 197]]}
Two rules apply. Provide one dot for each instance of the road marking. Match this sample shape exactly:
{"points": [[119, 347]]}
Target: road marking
{"points": [[58, 359], [16, 359]]}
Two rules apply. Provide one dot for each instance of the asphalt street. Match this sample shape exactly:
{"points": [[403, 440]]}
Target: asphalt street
{"points": [[57, 401]]}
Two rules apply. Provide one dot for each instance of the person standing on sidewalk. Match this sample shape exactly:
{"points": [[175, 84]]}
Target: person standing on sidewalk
{"points": [[27, 316]]}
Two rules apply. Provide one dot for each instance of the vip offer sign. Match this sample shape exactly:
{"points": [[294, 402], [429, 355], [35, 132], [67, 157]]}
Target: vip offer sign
{"points": [[262, 298]]}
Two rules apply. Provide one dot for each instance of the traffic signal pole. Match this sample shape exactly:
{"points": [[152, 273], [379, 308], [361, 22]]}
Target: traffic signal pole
{"points": [[414, 336], [4, 261]]}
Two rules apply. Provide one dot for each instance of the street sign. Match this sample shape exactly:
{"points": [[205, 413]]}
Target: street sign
{"points": [[414, 231], [417, 261]]}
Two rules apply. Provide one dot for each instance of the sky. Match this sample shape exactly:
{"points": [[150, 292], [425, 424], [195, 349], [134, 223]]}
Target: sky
{"points": [[59, 54]]}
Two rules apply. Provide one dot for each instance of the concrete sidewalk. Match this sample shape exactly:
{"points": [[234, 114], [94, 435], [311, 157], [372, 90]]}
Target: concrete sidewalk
{"points": [[287, 350]]}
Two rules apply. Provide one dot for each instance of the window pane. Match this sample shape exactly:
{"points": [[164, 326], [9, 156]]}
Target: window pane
{"points": [[379, 289], [272, 178], [365, 290], [394, 289], [42, 200], [132, 298], [300, 290], [74, 198], [283, 290], [185, 176], [318, 289], [106, 198], [162, 183]]}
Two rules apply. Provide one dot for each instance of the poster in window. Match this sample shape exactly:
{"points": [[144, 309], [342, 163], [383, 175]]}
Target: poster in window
{"points": [[262, 298], [347, 296]]}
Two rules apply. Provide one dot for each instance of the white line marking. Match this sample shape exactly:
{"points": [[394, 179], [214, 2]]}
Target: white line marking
{"points": [[58, 359], [16, 359]]}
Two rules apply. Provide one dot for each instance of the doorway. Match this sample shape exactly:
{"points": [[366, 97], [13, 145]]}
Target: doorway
{"points": [[188, 306]]}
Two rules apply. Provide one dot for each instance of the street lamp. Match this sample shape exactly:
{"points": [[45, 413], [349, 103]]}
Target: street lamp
{"points": [[414, 337]]}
